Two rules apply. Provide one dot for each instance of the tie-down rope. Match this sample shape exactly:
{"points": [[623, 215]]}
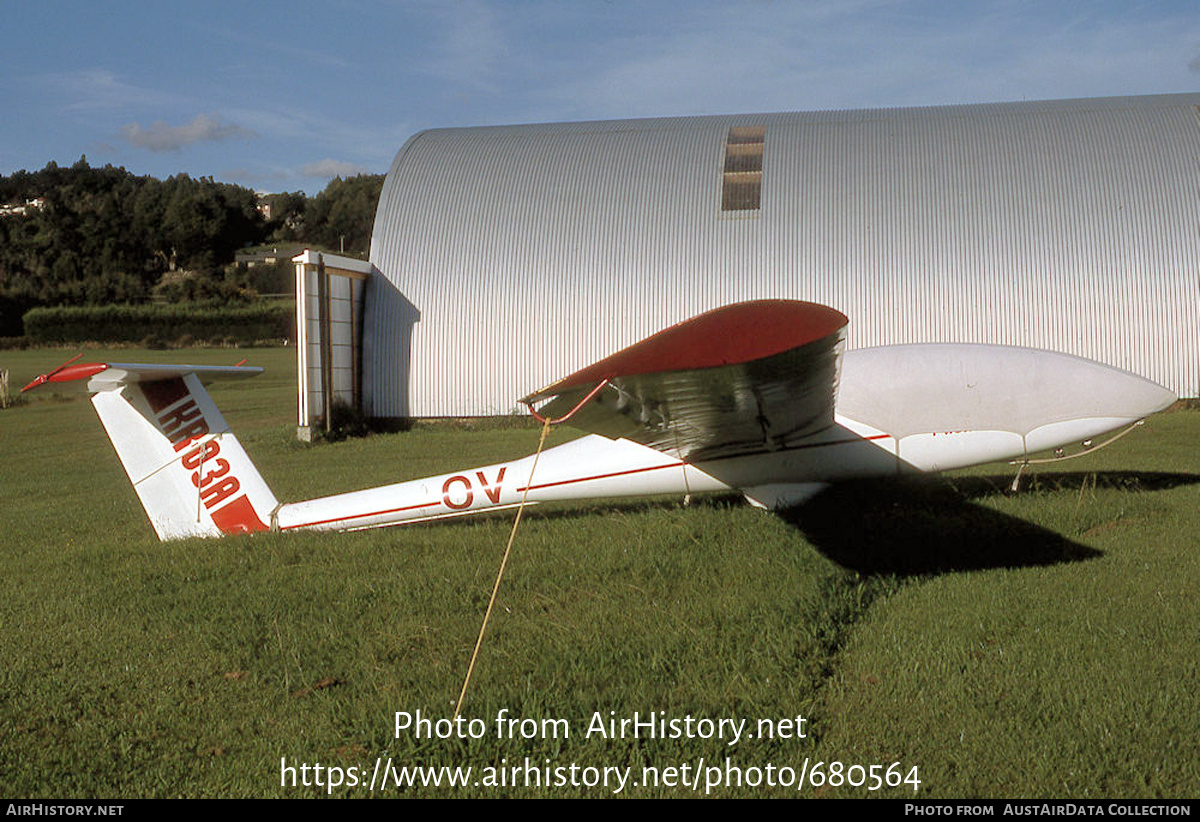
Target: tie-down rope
{"points": [[546, 423]]}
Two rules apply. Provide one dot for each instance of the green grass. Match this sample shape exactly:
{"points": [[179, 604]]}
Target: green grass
{"points": [[1042, 644]]}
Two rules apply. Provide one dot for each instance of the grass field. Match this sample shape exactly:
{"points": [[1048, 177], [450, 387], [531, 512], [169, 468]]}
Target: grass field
{"points": [[1037, 645]]}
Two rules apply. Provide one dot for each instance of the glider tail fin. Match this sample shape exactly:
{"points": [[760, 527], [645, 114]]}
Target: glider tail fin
{"points": [[189, 470]]}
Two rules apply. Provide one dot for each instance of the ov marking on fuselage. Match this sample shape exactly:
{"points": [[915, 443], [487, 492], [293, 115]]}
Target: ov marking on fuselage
{"points": [[458, 492]]}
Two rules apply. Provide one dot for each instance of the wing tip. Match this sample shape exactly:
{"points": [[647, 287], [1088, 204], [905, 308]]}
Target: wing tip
{"points": [[67, 373]]}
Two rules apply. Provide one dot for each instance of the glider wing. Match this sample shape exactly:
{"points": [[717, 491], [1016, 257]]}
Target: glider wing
{"points": [[744, 379]]}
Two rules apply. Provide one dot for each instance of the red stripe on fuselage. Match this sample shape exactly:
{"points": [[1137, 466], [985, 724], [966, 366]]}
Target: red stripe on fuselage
{"points": [[601, 476], [679, 464], [360, 516]]}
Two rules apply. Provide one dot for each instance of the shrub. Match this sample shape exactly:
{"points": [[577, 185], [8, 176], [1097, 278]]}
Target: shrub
{"points": [[161, 323]]}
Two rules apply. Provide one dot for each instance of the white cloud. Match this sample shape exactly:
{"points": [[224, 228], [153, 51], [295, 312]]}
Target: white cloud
{"points": [[99, 89], [333, 168], [162, 137]]}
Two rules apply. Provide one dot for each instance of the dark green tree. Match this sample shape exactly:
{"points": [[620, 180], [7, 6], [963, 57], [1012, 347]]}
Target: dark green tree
{"points": [[342, 216], [103, 235]]}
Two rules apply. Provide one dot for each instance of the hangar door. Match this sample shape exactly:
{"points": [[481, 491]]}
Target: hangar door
{"points": [[329, 309]]}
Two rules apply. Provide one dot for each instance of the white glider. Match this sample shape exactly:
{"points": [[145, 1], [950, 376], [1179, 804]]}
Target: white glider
{"points": [[756, 397]]}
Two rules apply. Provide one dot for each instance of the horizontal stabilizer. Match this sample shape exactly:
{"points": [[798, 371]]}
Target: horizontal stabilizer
{"points": [[104, 376]]}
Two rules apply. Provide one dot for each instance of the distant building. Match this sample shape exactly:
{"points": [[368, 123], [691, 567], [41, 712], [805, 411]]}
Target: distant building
{"points": [[14, 209], [264, 205], [259, 257], [506, 257]]}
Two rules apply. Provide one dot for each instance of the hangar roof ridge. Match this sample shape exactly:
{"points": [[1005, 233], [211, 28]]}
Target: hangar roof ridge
{"points": [[954, 110]]}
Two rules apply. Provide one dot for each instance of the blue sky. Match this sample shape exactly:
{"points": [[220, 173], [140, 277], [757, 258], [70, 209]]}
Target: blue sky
{"points": [[283, 96]]}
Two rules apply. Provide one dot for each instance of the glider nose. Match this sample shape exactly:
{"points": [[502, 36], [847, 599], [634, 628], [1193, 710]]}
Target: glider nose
{"points": [[1097, 390], [909, 389], [1149, 397], [1096, 400], [951, 405]]}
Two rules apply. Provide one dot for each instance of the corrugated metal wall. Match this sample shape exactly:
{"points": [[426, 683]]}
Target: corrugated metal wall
{"points": [[511, 256]]}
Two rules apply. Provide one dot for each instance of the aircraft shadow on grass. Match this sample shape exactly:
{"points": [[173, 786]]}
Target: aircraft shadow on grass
{"points": [[931, 524], [919, 524]]}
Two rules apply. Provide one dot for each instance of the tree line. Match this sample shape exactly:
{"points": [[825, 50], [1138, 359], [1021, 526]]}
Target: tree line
{"points": [[101, 236]]}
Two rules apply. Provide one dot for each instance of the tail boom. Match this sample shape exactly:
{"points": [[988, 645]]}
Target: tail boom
{"points": [[588, 468]]}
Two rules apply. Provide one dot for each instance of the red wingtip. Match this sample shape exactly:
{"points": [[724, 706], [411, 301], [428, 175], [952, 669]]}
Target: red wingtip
{"points": [[67, 372]]}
